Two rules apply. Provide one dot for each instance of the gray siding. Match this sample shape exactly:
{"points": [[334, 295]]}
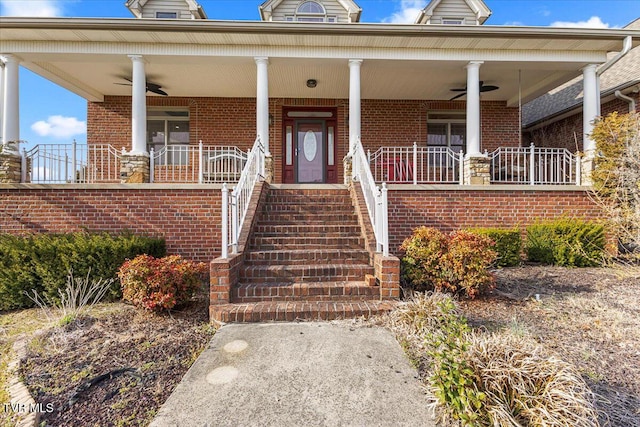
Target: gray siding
{"points": [[288, 8], [179, 6], [454, 9]]}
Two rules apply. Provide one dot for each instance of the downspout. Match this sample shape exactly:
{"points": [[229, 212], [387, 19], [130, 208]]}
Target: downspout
{"points": [[627, 44], [631, 101]]}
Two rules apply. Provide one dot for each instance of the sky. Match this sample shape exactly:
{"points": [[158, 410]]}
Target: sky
{"points": [[50, 114]]}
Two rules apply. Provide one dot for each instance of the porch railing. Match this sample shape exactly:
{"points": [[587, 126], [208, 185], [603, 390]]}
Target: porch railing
{"points": [[238, 200], [534, 165], [375, 198], [71, 163], [196, 164], [417, 165]]}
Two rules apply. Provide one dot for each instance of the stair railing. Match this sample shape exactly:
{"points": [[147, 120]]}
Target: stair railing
{"points": [[375, 197], [238, 200]]}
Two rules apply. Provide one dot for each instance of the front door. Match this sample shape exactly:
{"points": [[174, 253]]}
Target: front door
{"points": [[309, 150]]}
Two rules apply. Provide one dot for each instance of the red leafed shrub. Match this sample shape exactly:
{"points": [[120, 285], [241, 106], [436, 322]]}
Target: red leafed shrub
{"points": [[457, 262], [160, 283]]}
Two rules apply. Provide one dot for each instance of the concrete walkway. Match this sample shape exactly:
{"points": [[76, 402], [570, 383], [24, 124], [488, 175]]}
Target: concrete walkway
{"points": [[298, 374]]}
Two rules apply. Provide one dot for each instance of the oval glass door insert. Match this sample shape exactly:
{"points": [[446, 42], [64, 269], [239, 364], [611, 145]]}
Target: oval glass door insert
{"points": [[310, 145]]}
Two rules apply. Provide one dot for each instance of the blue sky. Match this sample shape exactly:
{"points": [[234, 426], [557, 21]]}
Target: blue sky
{"points": [[50, 114]]}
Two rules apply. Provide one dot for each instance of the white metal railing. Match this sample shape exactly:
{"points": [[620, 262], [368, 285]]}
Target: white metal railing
{"points": [[233, 220], [71, 163], [534, 165], [201, 163], [417, 165], [375, 197]]}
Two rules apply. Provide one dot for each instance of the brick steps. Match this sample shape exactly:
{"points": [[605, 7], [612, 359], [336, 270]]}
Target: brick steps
{"points": [[297, 310], [306, 229], [308, 291], [320, 242], [304, 273], [302, 256]]}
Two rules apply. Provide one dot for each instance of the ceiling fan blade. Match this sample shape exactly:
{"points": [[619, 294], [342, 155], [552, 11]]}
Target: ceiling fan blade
{"points": [[158, 91], [488, 88], [123, 84], [458, 90], [458, 96]]}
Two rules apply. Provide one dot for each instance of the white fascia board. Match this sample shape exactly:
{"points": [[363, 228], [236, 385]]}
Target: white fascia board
{"points": [[64, 80], [109, 48]]}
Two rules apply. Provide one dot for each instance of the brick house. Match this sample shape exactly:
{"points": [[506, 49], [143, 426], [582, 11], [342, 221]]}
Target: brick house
{"points": [[262, 145]]}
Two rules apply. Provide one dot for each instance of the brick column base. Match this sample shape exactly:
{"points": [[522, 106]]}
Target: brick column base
{"points": [[10, 167], [134, 169], [387, 270], [477, 170]]}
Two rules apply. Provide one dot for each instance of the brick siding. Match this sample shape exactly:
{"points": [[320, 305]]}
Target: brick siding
{"points": [[231, 121], [189, 219], [459, 208]]}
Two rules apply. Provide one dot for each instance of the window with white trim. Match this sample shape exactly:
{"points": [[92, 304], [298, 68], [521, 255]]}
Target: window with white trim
{"points": [[168, 133], [447, 129], [166, 15], [452, 21], [311, 11]]}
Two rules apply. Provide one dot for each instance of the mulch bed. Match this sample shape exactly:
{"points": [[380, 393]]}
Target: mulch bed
{"points": [[587, 316], [116, 369]]}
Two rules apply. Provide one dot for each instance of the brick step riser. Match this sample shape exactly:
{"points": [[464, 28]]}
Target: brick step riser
{"points": [[307, 219], [309, 261], [308, 236], [295, 242], [309, 199], [290, 311], [305, 292], [316, 210], [304, 229], [291, 278]]}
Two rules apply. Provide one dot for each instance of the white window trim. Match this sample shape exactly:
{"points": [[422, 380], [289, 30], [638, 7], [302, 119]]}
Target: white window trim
{"points": [[175, 14], [457, 117], [152, 115], [452, 21]]}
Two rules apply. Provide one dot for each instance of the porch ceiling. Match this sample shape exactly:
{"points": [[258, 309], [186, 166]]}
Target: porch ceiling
{"points": [[215, 59]]}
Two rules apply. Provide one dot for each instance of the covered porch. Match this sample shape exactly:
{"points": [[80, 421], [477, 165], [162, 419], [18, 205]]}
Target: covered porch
{"points": [[428, 104]]}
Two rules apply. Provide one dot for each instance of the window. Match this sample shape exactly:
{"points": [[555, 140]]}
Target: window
{"points": [[311, 11], [168, 135], [452, 21], [447, 129], [166, 15]]}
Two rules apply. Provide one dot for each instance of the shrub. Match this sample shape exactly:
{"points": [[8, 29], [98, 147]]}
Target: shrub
{"points": [[457, 262], [566, 242], [507, 243], [160, 283], [42, 262]]}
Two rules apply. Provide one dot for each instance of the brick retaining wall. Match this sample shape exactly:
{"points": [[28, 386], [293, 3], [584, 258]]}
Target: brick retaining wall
{"points": [[187, 216]]}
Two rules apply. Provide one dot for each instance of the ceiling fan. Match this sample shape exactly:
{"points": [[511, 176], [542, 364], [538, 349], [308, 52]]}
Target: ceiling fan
{"points": [[483, 88], [151, 87]]}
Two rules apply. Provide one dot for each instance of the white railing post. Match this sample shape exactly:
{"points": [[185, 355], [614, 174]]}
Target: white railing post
{"points": [[415, 163], [378, 220], [225, 221], [369, 157], [23, 174], [200, 164], [73, 161], [234, 222], [578, 169], [461, 167], [532, 164], [385, 220], [152, 161]]}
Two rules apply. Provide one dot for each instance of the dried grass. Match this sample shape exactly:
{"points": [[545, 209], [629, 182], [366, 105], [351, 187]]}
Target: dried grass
{"points": [[526, 387]]}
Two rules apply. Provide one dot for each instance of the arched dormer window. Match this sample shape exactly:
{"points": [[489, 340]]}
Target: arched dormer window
{"points": [[311, 11]]}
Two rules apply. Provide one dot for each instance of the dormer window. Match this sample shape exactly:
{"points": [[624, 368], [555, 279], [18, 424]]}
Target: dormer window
{"points": [[166, 15], [311, 11], [452, 21]]}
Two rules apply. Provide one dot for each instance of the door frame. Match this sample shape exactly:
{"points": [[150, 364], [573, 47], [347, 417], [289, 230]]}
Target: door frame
{"points": [[290, 172]]}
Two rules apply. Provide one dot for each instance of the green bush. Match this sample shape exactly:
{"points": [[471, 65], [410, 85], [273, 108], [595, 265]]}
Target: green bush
{"points": [[506, 242], [566, 242], [457, 262], [42, 262], [160, 283]]}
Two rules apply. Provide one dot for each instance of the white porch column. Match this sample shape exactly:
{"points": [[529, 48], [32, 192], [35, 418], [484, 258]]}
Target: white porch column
{"points": [[138, 107], [11, 101], [1, 101], [354, 102], [473, 108], [262, 102], [590, 107]]}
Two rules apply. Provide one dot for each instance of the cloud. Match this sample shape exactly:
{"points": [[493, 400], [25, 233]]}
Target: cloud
{"points": [[514, 24], [60, 127], [593, 22], [409, 10], [33, 8]]}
